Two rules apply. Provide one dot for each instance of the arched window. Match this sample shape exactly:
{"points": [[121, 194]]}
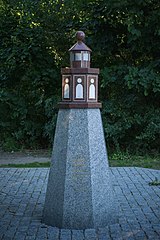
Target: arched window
{"points": [[66, 88], [79, 89], [92, 90]]}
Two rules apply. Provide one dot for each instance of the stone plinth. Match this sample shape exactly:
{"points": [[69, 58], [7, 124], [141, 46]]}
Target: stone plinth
{"points": [[79, 193]]}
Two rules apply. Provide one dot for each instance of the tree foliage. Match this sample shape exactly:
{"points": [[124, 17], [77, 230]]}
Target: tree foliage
{"points": [[124, 36]]}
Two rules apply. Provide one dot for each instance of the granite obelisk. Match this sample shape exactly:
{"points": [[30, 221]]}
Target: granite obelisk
{"points": [[79, 191]]}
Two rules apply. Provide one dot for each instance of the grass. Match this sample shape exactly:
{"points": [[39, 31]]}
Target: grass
{"points": [[117, 159], [156, 182], [128, 160]]}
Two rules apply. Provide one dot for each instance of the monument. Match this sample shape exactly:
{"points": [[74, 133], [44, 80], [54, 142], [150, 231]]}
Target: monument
{"points": [[79, 192]]}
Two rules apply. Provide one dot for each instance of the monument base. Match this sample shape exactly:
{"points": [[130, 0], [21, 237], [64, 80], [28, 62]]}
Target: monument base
{"points": [[79, 192]]}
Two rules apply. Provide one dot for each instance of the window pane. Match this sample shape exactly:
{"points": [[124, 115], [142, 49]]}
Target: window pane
{"points": [[78, 57], [85, 57]]}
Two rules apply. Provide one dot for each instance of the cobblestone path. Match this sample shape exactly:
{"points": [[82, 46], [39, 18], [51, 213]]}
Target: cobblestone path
{"points": [[22, 195]]}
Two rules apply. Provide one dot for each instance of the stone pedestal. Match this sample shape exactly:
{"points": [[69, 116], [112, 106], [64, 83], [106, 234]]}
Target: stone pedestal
{"points": [[79, 193]]}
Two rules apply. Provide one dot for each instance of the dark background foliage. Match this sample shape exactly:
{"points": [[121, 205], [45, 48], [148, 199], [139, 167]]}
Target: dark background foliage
{"points": [[34, 40]]}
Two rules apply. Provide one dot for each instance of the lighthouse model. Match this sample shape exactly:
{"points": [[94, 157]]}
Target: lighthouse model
{"points": [[79, 192]]}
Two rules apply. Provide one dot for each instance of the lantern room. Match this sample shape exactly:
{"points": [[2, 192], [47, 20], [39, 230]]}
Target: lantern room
{"points": [[80, 82], [80, 53]]}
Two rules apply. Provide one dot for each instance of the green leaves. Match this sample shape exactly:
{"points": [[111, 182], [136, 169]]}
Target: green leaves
{"points": [[143, 79], [34, 40], [131, 109], [155, 182], [29, 74]]}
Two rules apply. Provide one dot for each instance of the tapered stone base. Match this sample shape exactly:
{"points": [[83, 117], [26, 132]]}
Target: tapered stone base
{"points": [[79, 192]]}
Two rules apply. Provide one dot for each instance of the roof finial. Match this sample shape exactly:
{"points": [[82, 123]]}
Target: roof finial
{"points": [[80, 36]]}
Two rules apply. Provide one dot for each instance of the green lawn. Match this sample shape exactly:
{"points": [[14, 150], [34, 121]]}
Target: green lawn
{"points": [[128, 160]]}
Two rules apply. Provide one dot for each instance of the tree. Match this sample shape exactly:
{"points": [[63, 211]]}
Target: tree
{"points": [[29, 75], [124, 36]]}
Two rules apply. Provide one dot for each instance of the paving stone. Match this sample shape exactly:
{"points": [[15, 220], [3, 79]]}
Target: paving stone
{"points": [[7, 238], [32, 231], [22, 198], [103, 234], [77, 235], [53, 233], [126, 228], [156, 228], [65, 234], [115, 230], [9, 234], [139, 234], [90, 234], [19, 236], [30, 237]]}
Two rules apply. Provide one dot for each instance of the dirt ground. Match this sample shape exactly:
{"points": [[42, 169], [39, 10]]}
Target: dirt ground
{"points": [[27, 156]]}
